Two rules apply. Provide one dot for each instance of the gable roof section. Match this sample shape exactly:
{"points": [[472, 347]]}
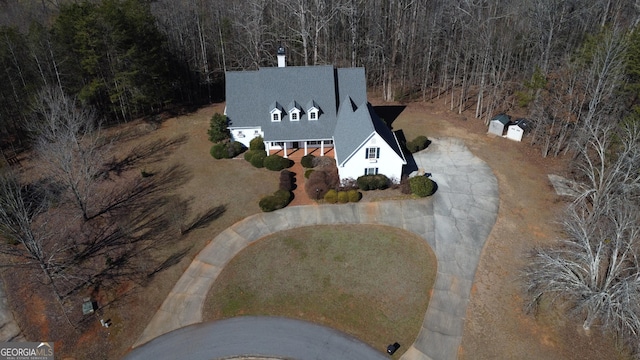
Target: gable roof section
{"points": [[502, 118], [250, 94], [356, 126]]}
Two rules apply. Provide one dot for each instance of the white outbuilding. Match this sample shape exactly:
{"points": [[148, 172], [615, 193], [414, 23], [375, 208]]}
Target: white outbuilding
{"points": [[498, 124], [515, 132]]}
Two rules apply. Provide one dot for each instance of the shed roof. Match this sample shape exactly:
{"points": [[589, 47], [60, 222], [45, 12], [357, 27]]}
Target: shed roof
{"points": [[503, 118]]}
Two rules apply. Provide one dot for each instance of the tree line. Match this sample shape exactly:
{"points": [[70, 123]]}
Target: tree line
{"points": [[130, 58]]}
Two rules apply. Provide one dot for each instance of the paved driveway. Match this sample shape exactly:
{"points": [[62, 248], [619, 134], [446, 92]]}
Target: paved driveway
{"points": [[266, 336], [456, 222]]}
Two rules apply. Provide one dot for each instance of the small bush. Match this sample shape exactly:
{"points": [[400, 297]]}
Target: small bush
{"points": [[373, 182], [419, 143], [257, 143], [257, 159], [331, 196], [218, 151], [235, 148], [354, 195], [405, 187], [278, 200], [421, 186], [307, 161], [316, 186], [343, 197], [307, 173], [276, 162], [287, 180]]}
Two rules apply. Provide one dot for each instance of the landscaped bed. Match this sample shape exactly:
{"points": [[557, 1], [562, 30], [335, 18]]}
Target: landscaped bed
{"points": [[370, 281]]}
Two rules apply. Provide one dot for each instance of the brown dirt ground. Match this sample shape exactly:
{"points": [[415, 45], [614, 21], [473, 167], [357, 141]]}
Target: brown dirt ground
{"points": [[496, 327]]}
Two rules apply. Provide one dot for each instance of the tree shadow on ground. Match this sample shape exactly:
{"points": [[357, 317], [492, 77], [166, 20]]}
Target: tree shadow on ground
{"points": [[146, 153], [203, 219]]}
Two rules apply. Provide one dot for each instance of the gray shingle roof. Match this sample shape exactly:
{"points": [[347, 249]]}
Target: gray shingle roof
{"points": [[357, 126], [250, 94]]}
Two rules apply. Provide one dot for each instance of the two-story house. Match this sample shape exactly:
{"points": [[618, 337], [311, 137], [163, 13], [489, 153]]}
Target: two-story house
{"points": [[313, 107]]}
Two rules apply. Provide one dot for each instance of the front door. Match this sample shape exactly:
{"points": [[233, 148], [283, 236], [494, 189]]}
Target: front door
{"points": [[295, 145]]}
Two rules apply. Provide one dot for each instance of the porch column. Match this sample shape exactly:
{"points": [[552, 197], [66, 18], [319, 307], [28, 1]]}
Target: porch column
{"points": [[321, 147], [305, 147], [285, 150]]}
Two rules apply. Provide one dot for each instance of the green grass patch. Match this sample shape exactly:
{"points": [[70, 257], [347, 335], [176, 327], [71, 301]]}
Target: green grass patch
{"points": [[370, 281]]}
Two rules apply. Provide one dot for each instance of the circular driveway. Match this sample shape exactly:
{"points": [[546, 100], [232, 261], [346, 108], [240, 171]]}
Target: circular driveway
{"points": [[455, 221]]}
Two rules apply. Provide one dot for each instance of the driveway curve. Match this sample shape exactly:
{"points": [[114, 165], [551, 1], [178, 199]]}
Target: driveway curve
{"points": [[256, 337], [455, 221]]}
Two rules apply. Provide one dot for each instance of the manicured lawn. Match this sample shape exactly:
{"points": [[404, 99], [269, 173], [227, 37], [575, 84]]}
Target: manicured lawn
{"points": [[373, 282]]}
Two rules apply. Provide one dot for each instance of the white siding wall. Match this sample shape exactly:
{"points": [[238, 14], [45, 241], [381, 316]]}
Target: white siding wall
{"points": [[245, 135], [389, 163]]}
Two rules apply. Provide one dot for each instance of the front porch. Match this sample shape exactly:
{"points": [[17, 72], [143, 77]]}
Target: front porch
{"points": [[300, 148], [297, 153]]}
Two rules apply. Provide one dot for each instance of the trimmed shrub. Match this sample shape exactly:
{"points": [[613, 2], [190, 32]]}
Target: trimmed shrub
{"points": [[287, 179], [257, 143], [307, 173], [343, 197], [307, 161], [405, 187], [419, 143], [235, 148], [373, 182], [226, 150], [257, 159], [421, 186], [278, 200], [218, 151], [276, 162], [316, 186], [354, 195], [331, 196]]}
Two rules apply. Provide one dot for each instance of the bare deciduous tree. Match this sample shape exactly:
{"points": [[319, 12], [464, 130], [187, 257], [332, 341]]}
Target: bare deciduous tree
{"points": [[25, 234], [596, 268], [69, 144]]}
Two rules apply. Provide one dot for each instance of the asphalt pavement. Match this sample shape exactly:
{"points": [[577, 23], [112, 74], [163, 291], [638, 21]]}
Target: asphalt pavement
{"points": [[455, 221], [256, 336]]}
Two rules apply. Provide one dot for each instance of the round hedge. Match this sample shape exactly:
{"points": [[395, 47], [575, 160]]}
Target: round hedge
{"points": [[331, 196], [278, 200], [421, 186], [257, 159], [307, 161], [276, 163]]}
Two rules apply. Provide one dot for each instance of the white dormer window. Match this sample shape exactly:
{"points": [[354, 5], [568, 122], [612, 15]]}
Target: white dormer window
{"points": [[294, 114], [294, 111], [276, 115], [313, 113], [313, 110]]}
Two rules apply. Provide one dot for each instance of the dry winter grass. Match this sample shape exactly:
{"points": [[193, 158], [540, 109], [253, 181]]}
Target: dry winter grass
{"points": [[369, 281], [495, 327]]}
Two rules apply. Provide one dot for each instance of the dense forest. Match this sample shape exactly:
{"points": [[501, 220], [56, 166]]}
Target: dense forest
{"points": [[563, 61], [573, 67]]}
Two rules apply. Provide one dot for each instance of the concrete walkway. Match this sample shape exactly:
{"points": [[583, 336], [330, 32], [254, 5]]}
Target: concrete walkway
{"points": [[456, 221]]}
